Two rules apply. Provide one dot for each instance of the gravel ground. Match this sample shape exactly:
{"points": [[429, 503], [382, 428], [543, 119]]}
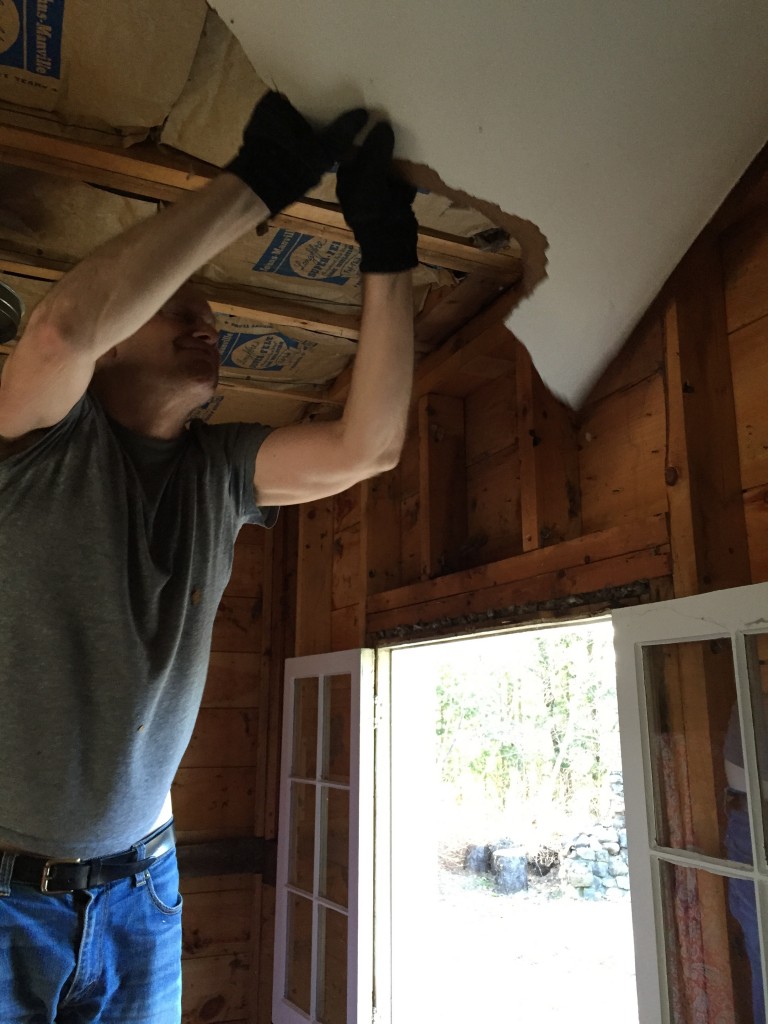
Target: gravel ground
{"points": [[536, 956]]}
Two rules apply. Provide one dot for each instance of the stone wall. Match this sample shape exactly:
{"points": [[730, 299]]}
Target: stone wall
{"points": [[595, 864]]}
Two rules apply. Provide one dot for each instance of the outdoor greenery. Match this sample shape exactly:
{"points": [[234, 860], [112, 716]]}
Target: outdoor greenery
{"points": [[527, 732]]}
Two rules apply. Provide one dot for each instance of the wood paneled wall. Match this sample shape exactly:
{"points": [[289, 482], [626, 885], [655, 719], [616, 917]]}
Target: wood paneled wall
{"points": [[227, 786], [506, 507]]}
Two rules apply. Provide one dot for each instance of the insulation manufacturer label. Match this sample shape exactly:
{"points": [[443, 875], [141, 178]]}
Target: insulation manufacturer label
{"points": [[292, 254], [269, 352], [30, 39]]}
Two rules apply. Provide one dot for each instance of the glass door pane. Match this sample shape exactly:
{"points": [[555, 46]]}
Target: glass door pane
{"points": [[301, 871], [298, 978], [336, 749], [334, 869], [711, 975], [305, 716], [332, 972], [691, 697]]}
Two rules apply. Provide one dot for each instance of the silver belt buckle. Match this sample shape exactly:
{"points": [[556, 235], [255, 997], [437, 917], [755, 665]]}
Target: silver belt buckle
{"points": [[47, 874]]}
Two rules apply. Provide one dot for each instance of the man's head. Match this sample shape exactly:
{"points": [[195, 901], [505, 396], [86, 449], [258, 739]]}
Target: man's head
{"points": [[167, 368]]}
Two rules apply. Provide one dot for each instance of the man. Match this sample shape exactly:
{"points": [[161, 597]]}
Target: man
{"points": [[117, 521]]}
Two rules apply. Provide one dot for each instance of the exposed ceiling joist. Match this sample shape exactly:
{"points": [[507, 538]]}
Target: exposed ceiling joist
{"points": [[438, 320], [150, 172], [237, 301]]}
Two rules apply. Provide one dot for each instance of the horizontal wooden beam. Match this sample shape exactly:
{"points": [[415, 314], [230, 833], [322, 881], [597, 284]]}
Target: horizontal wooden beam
{"points": [[144, 170], [324, 220], [37, 267], [285, 312], [609, 558], [249, 387], [520, 602], [157, 173], [239, 855], [224, 298]]}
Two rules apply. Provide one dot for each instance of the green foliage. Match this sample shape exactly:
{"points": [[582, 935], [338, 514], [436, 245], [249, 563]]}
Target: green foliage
{"points": [[534, 730]]}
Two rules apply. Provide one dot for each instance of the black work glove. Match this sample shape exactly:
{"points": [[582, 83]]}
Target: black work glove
{"points": [[282, 156], [376, 204]]}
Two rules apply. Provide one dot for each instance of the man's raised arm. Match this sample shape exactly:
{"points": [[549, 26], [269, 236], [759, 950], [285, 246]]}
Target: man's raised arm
{"points": [[121, 285], [313, 460]]}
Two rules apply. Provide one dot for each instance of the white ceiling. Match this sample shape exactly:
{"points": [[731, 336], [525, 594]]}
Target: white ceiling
{"points": [[617, 127]]}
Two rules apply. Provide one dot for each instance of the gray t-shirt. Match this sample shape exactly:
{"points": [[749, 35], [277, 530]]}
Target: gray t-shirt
{"points": [[114, 553]]}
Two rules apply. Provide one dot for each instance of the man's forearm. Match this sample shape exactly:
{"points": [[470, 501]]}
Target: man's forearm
{"points": [[119, 286], [376, 412]]}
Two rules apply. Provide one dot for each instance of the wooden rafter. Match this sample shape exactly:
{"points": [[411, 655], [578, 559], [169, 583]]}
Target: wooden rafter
{"points": [[236, 300], [153, 173]]}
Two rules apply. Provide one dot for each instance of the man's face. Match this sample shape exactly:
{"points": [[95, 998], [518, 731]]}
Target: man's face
{"points": [[178, 345]]}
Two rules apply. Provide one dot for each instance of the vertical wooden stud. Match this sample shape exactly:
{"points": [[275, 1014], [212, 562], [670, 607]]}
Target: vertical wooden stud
{"points": [[549, 468], [349, 589], [706, 510], [382, 533], [315, 578], [442, 483]]}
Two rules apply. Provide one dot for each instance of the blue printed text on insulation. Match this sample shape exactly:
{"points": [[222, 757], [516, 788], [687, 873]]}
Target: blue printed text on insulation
{"points": [[268, 352], [30, 36], [293, 254]]}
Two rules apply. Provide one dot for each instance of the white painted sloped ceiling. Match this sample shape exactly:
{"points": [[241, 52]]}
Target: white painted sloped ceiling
{"points": [[616, 127]]}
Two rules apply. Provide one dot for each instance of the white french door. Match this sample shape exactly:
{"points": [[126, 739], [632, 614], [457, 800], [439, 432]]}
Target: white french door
{"points": [[324, 899], [692, 679]]}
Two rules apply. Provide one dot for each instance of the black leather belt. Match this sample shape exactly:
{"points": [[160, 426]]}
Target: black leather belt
{"points": [[57, 876]]}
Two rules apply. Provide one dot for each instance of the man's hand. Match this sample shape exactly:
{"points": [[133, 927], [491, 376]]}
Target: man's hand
{"points": [[282, 157], [376, 204]]}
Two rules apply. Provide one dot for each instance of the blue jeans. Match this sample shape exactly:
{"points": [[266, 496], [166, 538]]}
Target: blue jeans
{"points": [[741, 900], [110, 955]]}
